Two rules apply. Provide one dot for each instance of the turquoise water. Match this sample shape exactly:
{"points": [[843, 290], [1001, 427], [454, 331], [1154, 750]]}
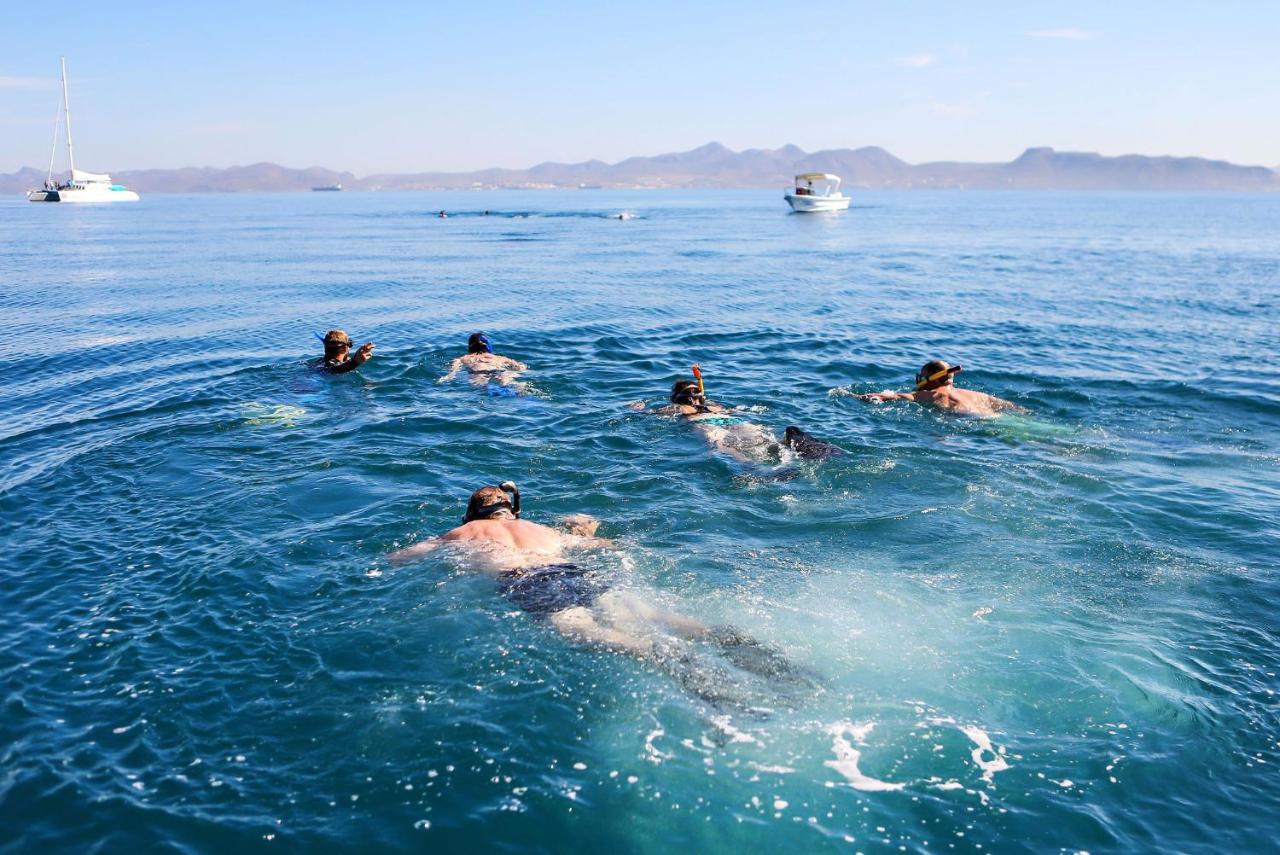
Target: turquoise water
{"points": [[1046, 632]]}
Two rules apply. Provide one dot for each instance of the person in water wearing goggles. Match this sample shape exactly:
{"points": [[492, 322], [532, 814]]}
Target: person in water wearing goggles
{"points": [[485, 366], [338, 357], [935, 387], [533, 566], [729, 432]]}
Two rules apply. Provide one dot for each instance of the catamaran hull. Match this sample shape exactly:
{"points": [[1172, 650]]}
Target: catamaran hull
{"points": [[816, 204], [82, 196]]}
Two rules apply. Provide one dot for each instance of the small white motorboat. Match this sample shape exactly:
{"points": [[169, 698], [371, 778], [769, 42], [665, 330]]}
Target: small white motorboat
{"points": [[81, 186], [816, 191]]}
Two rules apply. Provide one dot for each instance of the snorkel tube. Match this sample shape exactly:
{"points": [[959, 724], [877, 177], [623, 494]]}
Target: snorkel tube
{"points": [[511, 489], [697, 375], [938, 378]]}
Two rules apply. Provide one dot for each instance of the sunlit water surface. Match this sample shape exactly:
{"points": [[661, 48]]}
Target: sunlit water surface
{"points": [[1056, 631]]}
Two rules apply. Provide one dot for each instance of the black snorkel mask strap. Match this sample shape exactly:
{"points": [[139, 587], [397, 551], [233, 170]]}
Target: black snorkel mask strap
{"points": [[510, 505]]}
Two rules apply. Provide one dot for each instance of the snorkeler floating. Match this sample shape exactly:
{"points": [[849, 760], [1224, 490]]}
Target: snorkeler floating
{"points": [[485, 366], [531, 564], [529, 560], [731, 433], [338, 357], [935, 387]]}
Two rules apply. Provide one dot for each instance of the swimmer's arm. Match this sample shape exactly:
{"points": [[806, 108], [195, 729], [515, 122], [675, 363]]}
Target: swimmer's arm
{"points": [[360, 357], [513, 364], [411, 553], [877, 397], [582, 530], [577, 541], [454, 368]]}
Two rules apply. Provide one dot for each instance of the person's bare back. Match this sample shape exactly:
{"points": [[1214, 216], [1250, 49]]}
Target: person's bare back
{"points": [[516, 534], [963, 401]]}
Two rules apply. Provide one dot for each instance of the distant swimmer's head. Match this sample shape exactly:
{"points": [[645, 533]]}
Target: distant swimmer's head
{"points": [[488, 503], [935, 375], [685, 392], [336, 342], [479, 343]]}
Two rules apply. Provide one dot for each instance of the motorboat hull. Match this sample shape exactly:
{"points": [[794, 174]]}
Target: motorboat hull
{"points": [[816, 204]]}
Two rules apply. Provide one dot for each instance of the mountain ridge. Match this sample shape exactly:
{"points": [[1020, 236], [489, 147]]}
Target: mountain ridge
{"points": [[715, 165]]}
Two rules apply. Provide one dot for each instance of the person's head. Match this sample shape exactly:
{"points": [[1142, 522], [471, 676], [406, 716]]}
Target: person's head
{"points": [[935, 375], [479, 343], [685, 391], [489, 503], [336, 344]]}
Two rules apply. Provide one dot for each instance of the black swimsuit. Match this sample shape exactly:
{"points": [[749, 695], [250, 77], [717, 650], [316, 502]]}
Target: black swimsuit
{"points": [[550, 588]]}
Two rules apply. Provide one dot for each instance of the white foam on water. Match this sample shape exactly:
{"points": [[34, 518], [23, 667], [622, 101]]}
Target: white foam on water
{"points": [[655, 756], [980, 738], [725, 726], [846, 762], [772, 770]]}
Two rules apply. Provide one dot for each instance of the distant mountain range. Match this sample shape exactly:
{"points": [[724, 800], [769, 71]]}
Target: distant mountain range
{"points": [[713, 165]]}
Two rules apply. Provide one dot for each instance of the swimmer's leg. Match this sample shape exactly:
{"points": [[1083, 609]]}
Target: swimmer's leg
{"points": [[619, 607], [577, 623]]}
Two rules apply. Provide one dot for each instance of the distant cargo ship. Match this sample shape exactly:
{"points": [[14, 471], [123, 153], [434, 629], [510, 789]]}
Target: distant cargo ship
{"points": [[327, 188]]}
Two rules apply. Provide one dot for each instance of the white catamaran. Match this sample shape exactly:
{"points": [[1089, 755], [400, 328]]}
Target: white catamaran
{"points": [[80, 186]]}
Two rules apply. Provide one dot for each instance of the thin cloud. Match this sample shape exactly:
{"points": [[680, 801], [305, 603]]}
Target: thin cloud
{"points": [[10, 82], [952, 109], [915, 60], [1074, 34]]}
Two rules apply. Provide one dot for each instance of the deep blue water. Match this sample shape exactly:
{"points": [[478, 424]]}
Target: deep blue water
{"points": [[205, 648]]}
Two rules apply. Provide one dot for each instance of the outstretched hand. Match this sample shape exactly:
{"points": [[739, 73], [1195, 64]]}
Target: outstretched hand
{"points": [[366, 350]]}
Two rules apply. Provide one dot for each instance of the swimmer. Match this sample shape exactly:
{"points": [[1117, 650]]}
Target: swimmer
{"points": [[935, 387], [485, 366], [533, 567], [338, 357], [724, 429]]}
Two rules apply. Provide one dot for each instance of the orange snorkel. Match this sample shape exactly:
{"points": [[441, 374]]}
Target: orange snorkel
{"points": [[697, 374]]}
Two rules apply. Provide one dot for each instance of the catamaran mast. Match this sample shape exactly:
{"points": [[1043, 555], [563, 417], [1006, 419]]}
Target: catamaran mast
{"points": [[53, 149], [66, 103]]}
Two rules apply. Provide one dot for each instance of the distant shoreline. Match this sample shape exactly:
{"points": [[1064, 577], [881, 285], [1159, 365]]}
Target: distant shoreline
{"points": [[714, 166]]}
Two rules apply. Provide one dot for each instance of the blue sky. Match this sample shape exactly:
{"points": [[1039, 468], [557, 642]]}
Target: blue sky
{"points": [[433, 86]]}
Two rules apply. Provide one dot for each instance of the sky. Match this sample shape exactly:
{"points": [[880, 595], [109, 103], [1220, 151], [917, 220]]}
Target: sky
{"points": [[432, 86]]}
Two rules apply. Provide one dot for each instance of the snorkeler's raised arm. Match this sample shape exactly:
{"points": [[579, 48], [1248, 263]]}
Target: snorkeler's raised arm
{"points": [[454, 368], [412, 553], [357, 358]]}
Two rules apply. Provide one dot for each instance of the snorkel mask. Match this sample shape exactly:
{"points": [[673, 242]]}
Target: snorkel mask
{"points": [[686, 393], [689, 393], [479, 343], [484, 512], [334, 341], [936, 379]]}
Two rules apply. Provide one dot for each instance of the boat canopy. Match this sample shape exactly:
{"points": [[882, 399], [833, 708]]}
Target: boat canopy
{"points": [[817, 176], [90, 177]]}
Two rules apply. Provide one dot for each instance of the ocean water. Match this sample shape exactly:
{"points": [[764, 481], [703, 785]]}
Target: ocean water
{"points": [[1049, 632]]}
